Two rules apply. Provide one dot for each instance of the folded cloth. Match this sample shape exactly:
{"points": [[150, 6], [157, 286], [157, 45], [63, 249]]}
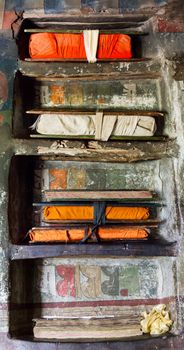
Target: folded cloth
{"points": [[87, 213], [74, 235], [102, 126], [157, 321], [71, 46]]}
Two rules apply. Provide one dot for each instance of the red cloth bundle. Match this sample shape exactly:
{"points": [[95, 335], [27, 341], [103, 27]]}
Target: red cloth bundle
{"points": [[71, 46]]}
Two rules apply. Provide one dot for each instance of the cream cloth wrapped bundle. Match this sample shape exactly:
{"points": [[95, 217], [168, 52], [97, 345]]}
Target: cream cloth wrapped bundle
{"points": [[64, 125], [99, 125]]}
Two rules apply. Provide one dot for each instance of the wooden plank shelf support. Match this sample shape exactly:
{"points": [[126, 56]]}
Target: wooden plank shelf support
{"points": [[147, 248], [98, 195]]}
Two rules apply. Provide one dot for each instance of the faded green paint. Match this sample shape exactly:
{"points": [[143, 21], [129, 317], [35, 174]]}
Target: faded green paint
{"points": [[76, 179], [129, 279], [131, 94], [96, 179]]}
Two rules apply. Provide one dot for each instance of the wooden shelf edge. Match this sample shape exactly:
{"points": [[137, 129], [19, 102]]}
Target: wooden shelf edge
{"points": [[91, 111], [143, 342], [121, 138], [99, 60], [147, 248]]}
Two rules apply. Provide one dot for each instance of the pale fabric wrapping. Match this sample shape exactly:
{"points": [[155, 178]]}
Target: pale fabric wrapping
{"points": [[64, 124], [108, 126], [91, 44], [102, 126], [134, 126], [98, 121]]}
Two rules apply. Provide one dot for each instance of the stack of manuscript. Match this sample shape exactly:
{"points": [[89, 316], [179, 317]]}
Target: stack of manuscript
{"points": [[87, 329]]}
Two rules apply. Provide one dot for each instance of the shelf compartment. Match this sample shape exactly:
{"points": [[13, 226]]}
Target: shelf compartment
{"points": [[131, 28], [40, 292], [47, 95], [31, 178]]}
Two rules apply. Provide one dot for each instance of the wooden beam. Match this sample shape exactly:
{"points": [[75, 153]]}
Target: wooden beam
{"points": [[97, 195], [147, 248]]}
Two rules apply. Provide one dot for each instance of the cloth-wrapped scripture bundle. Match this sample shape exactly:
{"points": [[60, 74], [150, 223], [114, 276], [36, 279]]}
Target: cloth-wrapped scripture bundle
{"points": [[63, 235], [99, 125], [72, 46], [76, 235], [80, 213]]}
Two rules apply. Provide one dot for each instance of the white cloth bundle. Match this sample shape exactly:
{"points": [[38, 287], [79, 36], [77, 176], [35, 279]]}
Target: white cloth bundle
{"points": [[91, 44], [133, 125], [100, 125], [63, 124]]}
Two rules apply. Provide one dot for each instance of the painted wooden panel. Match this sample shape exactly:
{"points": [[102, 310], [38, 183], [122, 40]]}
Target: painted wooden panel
{"points": [[81, 281], [140, 4], [127, 94], [58, 6], [100, 5]]}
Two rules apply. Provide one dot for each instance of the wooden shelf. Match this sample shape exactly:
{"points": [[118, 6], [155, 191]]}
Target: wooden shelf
{"points": [[78, 68], [124, 249], [80, 27], [123, 138], [100, 195], [92, 111], [144, 342], [120, 202], [135, 60]]}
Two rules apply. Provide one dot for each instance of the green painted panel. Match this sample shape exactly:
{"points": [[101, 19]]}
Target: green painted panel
{"points": [[126, 94]]}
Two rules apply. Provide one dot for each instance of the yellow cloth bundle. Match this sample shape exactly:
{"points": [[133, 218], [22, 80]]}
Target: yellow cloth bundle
{"points": [[157, 321]]}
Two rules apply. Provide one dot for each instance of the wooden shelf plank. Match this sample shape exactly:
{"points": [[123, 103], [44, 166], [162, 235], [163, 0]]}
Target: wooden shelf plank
{"points": [[76, 68], [98, 195], [123, 138], [93, 111], [147, 248], [143, 342], [121, 203], [141, 59], [80, 27]]}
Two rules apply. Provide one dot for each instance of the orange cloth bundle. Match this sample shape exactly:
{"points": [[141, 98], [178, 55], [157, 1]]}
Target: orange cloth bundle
{"points": [[71, 46], [74, 235], [122, 233], [87, 213], [63, 235]]}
